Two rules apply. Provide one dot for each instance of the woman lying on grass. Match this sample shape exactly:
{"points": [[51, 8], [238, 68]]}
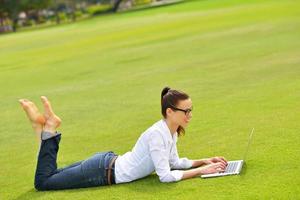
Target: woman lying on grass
{"points": [[155, 150]]}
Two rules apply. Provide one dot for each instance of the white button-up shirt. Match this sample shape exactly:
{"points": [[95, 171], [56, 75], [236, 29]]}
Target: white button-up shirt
{"points": [[156, 151]]}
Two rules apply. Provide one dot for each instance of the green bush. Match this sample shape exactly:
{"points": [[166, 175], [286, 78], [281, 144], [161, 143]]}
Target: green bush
{"points": [[41, 20], [62, 16], [142, 2], [29, 23], [78, 14], [97, 9], [52, 18]]}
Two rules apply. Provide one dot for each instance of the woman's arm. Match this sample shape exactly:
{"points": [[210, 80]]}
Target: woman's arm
{"points": [[206, 161], [207, 169], [185, 163], [160, 158], [199, 163]]}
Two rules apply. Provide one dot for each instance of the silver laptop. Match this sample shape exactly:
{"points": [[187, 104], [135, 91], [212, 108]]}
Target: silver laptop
{"points": [[234, 167]]}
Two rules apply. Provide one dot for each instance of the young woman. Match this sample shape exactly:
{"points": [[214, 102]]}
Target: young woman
{"points": [[155, 150]]}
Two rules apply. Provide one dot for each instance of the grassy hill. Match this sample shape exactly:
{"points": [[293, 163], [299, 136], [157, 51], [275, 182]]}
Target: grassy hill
{"points": [[238, 60]]}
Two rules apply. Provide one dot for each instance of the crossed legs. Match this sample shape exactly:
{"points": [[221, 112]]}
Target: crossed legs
{"points": [[47, 176], [47, 122], [87, 173]]}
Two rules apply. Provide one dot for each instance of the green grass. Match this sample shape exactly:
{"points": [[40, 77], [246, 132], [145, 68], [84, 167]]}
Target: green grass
{"points": [[239, 61]]}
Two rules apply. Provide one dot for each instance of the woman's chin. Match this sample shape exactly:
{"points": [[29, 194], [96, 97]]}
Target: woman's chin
{"points": [[185, 124]]}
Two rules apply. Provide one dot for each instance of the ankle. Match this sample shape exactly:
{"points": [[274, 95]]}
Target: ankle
{"points": [[49, 129], [37, 127], [46, 135]]}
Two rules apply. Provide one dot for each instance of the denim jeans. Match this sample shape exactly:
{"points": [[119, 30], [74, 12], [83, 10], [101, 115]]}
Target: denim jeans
{"points": [[87, 173]]}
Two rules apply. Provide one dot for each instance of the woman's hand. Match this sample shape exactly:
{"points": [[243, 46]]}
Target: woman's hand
{"points": [[207, 161], [213, 168], [215, 160]]}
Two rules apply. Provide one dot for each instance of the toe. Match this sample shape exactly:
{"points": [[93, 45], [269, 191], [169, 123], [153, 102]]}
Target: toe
{"points": [[47, 105], [44, 100], [23, 103]]}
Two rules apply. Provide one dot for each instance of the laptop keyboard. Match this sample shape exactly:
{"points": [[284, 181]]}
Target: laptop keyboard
{"points": [[231, 167]]}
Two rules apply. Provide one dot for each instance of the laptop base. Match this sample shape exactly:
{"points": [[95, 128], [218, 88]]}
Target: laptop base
{"points": [[238, 164]]}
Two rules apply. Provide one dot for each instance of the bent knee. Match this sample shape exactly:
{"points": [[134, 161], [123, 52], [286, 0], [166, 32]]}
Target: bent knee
{"points": [[40, 186]]}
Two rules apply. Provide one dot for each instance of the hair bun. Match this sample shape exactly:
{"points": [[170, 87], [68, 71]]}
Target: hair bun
{"points": [[164, 91]]}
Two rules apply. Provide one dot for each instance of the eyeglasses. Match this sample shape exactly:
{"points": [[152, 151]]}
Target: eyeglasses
{"points": [[187, 112]]}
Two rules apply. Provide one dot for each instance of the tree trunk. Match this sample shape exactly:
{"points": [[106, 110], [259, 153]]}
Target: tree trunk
{"points": [[57, 17], [116, 5], [14, 17], [56, 12], [73, 7], [15, 24]]}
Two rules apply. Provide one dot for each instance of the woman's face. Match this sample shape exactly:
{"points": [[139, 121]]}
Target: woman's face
{"points": [[182, 114]]}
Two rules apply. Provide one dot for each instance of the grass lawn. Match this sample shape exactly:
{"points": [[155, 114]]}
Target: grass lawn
{"points": [[238, 60]]}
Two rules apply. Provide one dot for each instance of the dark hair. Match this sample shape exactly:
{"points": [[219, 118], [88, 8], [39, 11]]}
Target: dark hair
{"points": [[170, 99]]}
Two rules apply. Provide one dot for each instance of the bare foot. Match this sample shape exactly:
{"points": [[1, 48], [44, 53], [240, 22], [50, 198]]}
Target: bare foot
{"points": [[36, 118], [52, 120]]}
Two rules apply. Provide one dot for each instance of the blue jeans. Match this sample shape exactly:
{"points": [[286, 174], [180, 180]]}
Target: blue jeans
{"points": [[87, 173]]}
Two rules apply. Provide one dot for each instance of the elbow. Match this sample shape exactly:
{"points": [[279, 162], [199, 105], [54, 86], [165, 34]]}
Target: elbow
{"points": [[165, 179], [175, 166]]}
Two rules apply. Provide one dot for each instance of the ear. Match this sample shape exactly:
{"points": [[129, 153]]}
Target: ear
{"points": [[169, 111]]}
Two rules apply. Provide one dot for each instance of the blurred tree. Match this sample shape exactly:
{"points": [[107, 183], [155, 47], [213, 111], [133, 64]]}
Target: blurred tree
{"points": [[14, 7], [63, 9], [11, 8], [66, 6], [117, 3]]}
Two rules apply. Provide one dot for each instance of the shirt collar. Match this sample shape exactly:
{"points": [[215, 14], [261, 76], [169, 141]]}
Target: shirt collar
{"points": [[167, 131]]}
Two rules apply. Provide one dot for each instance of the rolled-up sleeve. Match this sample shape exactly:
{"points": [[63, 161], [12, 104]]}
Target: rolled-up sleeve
{"points": [[160, 158]]}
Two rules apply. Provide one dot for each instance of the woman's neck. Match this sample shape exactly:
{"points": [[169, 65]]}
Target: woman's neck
{"points": [[172, 127]]}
